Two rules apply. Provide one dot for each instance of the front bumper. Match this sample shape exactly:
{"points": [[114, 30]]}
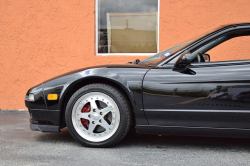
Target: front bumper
{"points": [[45, 120]]}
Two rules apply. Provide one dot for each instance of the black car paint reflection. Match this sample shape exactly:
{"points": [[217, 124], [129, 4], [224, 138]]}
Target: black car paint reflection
{"points": [[207, 99]]}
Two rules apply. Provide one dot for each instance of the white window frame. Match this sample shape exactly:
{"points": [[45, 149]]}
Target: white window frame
{"points": [[124, 54]]}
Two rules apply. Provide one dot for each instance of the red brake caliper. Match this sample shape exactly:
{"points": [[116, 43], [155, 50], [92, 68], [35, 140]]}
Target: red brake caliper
{"points": [[85, 108]]}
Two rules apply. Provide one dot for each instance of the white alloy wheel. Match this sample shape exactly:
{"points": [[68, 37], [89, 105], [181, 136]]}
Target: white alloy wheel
{"points": [[95, 116]]}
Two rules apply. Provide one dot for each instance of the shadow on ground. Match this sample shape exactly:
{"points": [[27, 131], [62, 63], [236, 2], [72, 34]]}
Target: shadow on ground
{"points": [[162, 142]]}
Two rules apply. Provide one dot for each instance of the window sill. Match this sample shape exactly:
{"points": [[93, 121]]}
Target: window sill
{"points": [[127, 54]]}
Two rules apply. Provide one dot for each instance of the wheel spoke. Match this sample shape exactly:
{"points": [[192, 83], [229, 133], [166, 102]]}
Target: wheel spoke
{"points": [[85, 115], [93, 105], [106, 110], [91, 127], [105, 125]]}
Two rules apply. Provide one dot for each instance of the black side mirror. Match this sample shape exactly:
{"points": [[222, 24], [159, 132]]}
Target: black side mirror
{"points": [[206, 57], [182, 63]]}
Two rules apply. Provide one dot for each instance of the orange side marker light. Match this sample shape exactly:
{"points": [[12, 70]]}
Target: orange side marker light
{"points": [[52, 97]]}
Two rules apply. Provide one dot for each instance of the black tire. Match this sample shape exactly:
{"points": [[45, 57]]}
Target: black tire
{"points": [[123, 106]]}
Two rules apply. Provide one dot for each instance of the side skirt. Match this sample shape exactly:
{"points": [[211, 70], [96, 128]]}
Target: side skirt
{"points": [[193, 131]]}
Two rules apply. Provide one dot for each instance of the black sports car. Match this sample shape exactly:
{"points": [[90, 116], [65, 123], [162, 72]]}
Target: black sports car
{"points": [[175, 92]]}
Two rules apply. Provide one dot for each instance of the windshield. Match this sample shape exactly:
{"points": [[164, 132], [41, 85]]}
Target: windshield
{"points": [[153, 60], [165, 54]]}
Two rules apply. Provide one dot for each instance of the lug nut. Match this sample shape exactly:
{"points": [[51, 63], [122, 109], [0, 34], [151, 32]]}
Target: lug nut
{"points": [[100, 113], [93, 122], [89, 116], [100, 121], [93, 110]]}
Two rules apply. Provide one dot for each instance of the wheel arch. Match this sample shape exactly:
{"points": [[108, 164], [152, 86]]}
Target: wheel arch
{"points": [[73, 87]]}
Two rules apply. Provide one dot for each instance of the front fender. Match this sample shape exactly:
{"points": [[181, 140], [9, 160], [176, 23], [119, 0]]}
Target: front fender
{"points": [[130, 79]]}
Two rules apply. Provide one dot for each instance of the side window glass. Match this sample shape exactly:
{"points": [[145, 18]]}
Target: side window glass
{"points": [[234, 49]]}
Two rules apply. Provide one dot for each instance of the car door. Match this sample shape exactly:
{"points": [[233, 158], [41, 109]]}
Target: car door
{"points": [[210, 95]]}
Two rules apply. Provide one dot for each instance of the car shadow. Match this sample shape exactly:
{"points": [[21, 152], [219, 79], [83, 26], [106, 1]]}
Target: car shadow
{"points": [[133, 140], [187, 142], [62, 137]]}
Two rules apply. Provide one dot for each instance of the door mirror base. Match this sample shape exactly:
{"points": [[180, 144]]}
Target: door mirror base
{"points": [[182, 63]]}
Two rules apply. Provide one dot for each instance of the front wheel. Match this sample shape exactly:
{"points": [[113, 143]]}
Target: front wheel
{"points": [[98, 115]]}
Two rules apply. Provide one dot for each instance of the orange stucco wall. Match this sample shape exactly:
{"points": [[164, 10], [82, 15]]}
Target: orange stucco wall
{"points": [[41, 39]]}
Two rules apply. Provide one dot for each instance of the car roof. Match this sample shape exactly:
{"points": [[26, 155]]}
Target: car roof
{"points": [[237, 24]]}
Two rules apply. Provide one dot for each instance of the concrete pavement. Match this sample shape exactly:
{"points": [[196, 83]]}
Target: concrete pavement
{"points": [[21, 146]]}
